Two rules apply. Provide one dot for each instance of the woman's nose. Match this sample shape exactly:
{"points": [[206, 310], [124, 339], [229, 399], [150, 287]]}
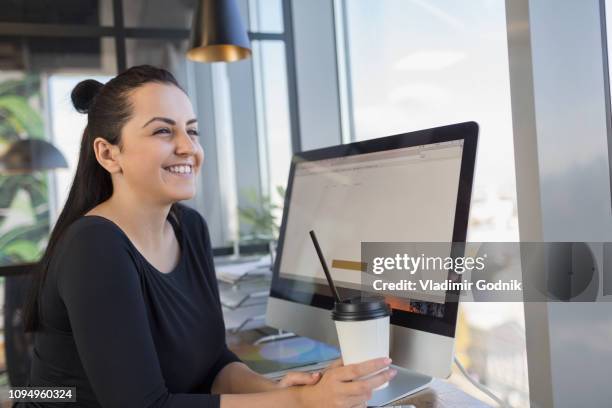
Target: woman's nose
{"points": [[185, 144]]}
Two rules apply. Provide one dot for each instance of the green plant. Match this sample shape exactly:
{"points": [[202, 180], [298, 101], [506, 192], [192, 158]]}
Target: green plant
{"points": [[260, 216], [21, 195]]}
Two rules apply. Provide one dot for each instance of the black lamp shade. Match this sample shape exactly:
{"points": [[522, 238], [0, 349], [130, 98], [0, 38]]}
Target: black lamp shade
{"points": [[28, 155], [218, 33]]}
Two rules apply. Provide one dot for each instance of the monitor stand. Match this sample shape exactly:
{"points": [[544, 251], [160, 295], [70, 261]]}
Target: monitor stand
{"points": [[405, 382]]}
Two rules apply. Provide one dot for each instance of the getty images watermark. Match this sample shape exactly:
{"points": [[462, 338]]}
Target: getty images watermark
{"points": [[492, 271]]}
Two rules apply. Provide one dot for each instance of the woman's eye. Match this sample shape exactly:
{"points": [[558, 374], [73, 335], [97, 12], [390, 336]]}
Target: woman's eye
{"points": [[193, 132], [162, 130]]}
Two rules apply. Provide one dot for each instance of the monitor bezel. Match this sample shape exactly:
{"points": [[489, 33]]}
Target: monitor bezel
{"points": [[303, 293]]}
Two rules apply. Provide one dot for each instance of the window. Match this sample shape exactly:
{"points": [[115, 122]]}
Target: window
{"points": [[431, 64], [261, 205], [273, 113], [266, 16]]}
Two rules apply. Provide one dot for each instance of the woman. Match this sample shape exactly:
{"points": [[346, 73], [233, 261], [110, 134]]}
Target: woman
{"points": [[126, 306]]}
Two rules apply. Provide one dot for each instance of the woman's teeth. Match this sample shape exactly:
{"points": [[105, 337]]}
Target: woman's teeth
{"points": [[180, 169]]}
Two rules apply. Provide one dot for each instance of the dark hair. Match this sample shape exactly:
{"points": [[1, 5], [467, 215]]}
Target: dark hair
{"points": [[108, 108]]}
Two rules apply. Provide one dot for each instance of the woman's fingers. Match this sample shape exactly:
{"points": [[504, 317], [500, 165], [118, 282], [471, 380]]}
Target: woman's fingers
{"points": [[355, 371], [342, 384], [365, 387], [299, 378], [380, 378], [335, 364]]}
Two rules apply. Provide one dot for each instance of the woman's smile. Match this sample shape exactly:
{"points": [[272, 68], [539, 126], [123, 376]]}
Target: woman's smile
{"points": [[182, 171]]}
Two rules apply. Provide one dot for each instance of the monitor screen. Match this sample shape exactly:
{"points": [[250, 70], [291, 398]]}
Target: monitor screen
{"points": [[403, 188]]}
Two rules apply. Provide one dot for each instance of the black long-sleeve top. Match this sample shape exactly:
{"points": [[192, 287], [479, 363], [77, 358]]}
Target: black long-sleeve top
{"points": [[124, 333]]}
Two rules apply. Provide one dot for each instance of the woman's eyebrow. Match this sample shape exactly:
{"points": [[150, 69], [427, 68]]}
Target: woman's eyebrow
{"points": [[168, 121]]}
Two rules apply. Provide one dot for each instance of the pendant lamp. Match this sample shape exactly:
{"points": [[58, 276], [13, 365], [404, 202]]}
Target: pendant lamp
{"points": [[218, 33]]}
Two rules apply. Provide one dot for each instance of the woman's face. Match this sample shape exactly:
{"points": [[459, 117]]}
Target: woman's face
{"points": [[161, 152]]}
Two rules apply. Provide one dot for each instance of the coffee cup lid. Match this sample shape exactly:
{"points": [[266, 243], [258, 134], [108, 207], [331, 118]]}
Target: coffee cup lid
{"points": [[358, 308]]}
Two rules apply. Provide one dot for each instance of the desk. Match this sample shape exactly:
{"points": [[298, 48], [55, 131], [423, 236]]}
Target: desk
{"points": [[440, 393]]}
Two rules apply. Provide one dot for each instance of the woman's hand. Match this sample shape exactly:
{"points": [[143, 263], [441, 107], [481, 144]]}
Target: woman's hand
{"points": [[301, 378], [298, 378], [335, 364], [341, 386]]}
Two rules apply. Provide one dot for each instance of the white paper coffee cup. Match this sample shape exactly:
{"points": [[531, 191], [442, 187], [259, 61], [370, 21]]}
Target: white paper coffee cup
{"points": [[363, 330]]}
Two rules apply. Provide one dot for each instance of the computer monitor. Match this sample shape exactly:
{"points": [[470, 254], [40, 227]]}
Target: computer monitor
{"points": [[412, 187]]}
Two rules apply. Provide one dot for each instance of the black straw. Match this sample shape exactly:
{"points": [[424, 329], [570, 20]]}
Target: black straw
{"points": [[324, 265]]}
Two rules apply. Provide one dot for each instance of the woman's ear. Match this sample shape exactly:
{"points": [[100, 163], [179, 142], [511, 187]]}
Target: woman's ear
{"points": [[107, 155]]}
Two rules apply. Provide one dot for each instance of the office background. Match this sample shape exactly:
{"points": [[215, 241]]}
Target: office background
{"points": [[323, 72]]}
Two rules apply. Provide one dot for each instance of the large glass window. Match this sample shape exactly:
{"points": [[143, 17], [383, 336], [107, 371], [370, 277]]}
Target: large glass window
{"points": [[432, 64], [272, 103], [266, 16], [261, 213]]}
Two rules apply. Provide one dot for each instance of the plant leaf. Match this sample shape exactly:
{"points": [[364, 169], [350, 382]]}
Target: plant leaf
{"points": [[23, 251], [22, 116]]}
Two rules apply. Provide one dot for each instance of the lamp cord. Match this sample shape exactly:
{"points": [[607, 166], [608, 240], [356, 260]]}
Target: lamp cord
{"points": [[478, 385]]}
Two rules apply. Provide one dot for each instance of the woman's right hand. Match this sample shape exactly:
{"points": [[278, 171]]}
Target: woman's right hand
{"points": [[340, 386]]}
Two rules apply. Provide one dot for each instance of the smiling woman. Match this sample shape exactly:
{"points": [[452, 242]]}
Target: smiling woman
{"points": [[125, 305]]}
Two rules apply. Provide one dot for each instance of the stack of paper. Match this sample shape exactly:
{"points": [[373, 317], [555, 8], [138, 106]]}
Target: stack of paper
{"points": [[232, 273]]}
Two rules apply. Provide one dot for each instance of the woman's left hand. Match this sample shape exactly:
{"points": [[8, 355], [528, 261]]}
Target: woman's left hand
{"points": [[298, 378]]}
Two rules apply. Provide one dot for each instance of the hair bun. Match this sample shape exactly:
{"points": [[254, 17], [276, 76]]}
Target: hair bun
{"points": [[83, 94]]}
